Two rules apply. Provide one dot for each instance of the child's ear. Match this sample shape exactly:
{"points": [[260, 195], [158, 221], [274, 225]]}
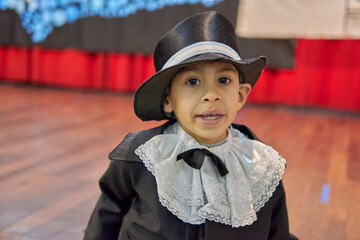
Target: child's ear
{"points": [[167, 104], [244, 91]]}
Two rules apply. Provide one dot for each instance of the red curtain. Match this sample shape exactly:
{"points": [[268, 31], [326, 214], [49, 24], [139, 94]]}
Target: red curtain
{"points": [[74, 68], [326, 73]]}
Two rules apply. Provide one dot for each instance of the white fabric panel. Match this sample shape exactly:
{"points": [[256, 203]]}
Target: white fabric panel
{"points": [[299, 19]]}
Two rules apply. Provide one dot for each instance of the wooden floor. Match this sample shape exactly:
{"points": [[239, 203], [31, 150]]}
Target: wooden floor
{"points": [[54, 146]]}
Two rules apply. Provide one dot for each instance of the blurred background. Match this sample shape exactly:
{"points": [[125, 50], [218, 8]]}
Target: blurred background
{"points": [[69, 68]]}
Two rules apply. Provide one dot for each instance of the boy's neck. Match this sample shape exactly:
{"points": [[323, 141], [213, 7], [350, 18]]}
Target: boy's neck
{"points": [[214, 144]]}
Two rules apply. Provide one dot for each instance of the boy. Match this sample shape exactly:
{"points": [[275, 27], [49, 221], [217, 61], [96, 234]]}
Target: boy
{"points": [[198, 176]]}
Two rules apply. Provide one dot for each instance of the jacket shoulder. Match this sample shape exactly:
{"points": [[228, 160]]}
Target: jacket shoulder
{"points": [[245, 130], [125, 151]]}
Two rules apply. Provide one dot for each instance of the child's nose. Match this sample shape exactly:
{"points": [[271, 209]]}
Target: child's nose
{"points": [[211, 94]]}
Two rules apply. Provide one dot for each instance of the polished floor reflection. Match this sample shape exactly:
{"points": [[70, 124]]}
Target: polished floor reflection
{"points": [[54, 146]]}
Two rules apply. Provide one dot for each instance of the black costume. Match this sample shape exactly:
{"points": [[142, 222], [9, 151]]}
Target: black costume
{"points": [[129, 206], [133, 204]]}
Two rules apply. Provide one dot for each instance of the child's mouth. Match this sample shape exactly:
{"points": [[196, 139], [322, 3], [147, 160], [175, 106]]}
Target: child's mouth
{"points": [[210, 119], [210, 116]]}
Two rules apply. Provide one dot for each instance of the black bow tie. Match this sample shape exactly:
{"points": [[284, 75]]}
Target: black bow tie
{"points": [[195, 158]]}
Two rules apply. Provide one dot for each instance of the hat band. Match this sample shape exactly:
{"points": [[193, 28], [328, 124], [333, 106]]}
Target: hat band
{"points": [[200, 48]]}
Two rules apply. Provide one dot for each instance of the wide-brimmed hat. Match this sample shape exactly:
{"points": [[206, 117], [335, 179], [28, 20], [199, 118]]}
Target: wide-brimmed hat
{"points": [[206, 36]]}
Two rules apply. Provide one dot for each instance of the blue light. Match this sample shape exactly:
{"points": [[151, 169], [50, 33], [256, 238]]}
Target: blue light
{"points": [[96, 6], [113, 4], [325, 194], [20, 7], [11, 4], [66, 2], [59, 17], [72, 13], [130, 9], [40, 16], [47, 17], [140, 4], [33, 6], [152, 6]]}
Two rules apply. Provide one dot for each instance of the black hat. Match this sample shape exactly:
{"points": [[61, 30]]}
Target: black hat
{"points": [[203, 37]]}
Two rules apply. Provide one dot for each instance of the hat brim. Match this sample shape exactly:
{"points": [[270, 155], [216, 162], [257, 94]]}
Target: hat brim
{"points": [[149, 97]]}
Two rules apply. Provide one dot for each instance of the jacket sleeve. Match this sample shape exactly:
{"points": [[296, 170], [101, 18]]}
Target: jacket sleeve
{"points": [[115, 200], [279, 229]]}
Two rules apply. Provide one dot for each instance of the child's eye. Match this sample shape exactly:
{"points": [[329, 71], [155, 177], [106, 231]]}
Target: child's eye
{"points": [[192, 81], [224, 80]]}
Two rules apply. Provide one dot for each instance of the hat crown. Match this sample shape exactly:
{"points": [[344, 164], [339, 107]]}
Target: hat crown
{"points": [[208, 26]]}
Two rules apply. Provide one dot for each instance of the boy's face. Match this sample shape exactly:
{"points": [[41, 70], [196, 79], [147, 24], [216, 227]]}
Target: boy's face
{"points": [[205, 99]]}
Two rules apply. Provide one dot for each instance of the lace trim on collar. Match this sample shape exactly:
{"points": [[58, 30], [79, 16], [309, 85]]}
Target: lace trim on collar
{"points": [[192, 195]]}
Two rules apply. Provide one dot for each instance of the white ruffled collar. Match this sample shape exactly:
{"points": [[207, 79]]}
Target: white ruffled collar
{"points": [[192, 195]]}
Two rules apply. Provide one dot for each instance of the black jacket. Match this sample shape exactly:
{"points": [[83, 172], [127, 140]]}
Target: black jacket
{"points": [[129, 206]]}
